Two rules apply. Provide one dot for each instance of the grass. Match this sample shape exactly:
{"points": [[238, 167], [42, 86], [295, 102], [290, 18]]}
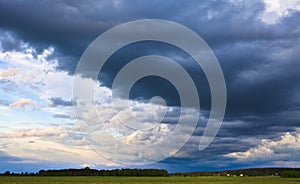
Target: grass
{"points": [[145, 180]]}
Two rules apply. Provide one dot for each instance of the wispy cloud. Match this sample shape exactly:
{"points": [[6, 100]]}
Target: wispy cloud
{"points": [[58, 132], [22, 103]]}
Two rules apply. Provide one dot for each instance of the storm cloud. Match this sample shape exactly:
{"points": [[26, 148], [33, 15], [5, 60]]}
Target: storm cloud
{"points": [[260, 61]]}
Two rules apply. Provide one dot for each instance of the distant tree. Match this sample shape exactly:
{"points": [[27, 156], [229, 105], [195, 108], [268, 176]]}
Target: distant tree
{"points": [[93, 172], [290, 174]]}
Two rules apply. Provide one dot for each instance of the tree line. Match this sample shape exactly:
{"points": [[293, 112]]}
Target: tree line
{"points": [[93, 172], [283, 172], [291, 174]]}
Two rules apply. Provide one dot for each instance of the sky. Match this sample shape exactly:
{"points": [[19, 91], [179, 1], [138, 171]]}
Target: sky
{"points": [[257, 45]]}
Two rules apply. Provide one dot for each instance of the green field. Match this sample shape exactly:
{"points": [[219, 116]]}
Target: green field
{"points": [[144, 180]]}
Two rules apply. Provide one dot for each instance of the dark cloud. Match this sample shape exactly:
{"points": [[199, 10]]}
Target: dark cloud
{"points": [[233, 30], [63, 116], [57, 101], [11, 42]]}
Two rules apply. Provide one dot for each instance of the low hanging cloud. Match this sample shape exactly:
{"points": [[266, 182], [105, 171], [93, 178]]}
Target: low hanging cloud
{"points": [[284, 148], [22, 103], [45, 132], [37, 150]]}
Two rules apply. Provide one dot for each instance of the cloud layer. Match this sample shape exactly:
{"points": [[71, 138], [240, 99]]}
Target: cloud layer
{"points": [[256, 42]]}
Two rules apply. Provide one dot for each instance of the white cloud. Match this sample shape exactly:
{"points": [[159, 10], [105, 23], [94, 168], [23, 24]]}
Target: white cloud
{"points": [[283, 148], [24, 73], [46, 132], [9, 73], [53, 144], [37, 77], [40, 150], [22, 103], [277, 9]]}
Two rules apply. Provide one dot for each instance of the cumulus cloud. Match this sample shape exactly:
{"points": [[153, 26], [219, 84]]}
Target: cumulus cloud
{"points": [[104, 130], [280, 149], [22, 103], [27, 70], [278, 9], [38, 76], [35, 74]]}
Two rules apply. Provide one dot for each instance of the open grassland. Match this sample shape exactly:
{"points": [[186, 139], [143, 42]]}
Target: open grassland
{"points": [[144, 180]]}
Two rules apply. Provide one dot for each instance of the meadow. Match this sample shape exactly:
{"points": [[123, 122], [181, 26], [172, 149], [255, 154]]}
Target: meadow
{"points": [[144, 180]]}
